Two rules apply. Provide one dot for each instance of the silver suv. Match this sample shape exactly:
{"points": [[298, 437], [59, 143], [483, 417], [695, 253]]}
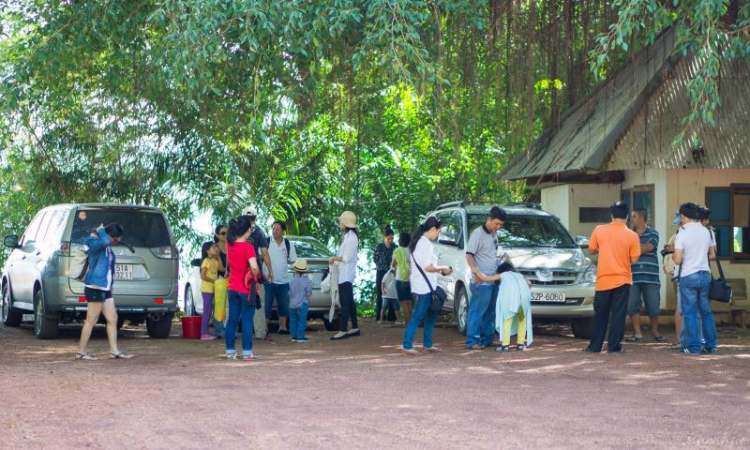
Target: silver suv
{"points": [[34, 279], [541, 249]]}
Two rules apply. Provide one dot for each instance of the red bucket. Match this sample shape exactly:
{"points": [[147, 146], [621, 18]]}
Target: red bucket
{"points": [[191, 327]]}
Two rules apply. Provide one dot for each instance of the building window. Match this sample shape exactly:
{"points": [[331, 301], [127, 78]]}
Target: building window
{"points": [[730, 215], [594, 215], [640, 197]]}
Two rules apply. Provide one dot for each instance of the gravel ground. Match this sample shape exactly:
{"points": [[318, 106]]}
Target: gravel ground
{"points": [[361, 393]]}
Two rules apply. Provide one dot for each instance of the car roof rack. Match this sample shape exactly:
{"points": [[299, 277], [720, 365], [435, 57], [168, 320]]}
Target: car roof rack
{"points": [[451, 205], [531, 205]]}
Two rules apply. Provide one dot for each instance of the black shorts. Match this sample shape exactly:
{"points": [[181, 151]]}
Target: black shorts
{"points": [[96, 295]]}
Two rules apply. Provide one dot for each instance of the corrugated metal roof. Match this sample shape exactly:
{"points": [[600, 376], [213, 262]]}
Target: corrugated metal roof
{"points": [[648, 140], [605, 131]]}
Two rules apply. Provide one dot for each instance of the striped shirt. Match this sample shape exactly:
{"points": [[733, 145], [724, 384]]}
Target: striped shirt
{"points": [[646, 270]]}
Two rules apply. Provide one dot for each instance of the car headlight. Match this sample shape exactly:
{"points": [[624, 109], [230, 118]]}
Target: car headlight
{"points": [[589, 275]]}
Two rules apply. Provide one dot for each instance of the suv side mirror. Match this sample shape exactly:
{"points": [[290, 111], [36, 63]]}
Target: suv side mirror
{"points": [[11, 241], [196, 262], [582, 241]]}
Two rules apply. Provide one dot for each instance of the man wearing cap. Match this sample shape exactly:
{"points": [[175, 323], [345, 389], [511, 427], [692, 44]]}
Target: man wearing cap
{"points": [[260, 242], [694, 247]]}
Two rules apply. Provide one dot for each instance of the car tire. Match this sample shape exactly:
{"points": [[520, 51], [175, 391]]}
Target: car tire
{"points": [[334, 325], [159, 328], [189, 301], [582, 328], [44, 327], [461, 309], [10, 316]]}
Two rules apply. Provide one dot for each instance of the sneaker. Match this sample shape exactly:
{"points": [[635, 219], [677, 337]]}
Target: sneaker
{"points": [[250, 357], [432, 349], [283, 331], [410, 351], [521, 348], [685, 351], [208, 337], [590, 350], [340, 335], [353, 332], [710, 351], [231, 356], [502, 349], [303, 339]]}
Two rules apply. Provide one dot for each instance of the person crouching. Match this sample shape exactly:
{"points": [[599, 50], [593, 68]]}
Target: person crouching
{"points": [[513, 307]]}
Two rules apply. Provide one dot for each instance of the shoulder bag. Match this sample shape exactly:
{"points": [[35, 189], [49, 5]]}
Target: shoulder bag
{"points": [[439, 296], [721, 289]]}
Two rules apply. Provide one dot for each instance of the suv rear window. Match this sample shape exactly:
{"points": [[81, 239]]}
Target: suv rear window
{"points": [[528, 231], [142, 228]]}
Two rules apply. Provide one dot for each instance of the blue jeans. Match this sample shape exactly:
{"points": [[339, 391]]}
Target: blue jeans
{"points": [[480, 323], [239, 310], [298, 321], [279, 292], [694, 300], [421, 312]]}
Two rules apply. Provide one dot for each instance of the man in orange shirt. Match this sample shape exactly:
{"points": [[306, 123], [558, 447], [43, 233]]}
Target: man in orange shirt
{"points": [[618, 247]]}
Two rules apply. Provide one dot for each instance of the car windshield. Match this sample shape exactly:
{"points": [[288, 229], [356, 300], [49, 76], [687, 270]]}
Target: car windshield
{"points": [[142, 228], [310, 248], [528, 231]]}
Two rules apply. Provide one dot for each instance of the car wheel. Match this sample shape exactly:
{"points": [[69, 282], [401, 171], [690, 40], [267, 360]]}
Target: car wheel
{"points": [[10, 316], [582, 328], [189, 301], [332, 326], [44, 327], [159, 328], [461, 309]]}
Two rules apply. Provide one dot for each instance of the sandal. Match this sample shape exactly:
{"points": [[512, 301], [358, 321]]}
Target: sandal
{"points": [[635, 339], [475, 347], [86, 356], [659, 338], [120, 355]]}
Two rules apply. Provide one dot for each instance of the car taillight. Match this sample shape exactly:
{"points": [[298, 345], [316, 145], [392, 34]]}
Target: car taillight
{"points": [[169, 252], [159, 301], [81, 299]]}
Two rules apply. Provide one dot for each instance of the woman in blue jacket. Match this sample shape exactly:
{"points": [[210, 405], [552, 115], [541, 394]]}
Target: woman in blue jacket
{"points": [[98, 288]]}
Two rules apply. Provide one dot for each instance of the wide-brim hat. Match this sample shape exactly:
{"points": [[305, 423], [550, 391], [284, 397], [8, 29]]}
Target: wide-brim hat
{"points": [[300, 265], [349, 219]]}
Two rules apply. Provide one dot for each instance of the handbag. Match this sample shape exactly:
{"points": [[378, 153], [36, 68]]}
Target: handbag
{"points": [[251, 283], [439, 296], [720, 289]]}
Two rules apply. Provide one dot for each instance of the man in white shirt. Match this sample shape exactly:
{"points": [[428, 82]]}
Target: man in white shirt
{"points": [[281, 253], [694, 248]]}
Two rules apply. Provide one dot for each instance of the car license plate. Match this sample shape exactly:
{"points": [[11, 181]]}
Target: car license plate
{"points": [[551, 297], [123, 271]]}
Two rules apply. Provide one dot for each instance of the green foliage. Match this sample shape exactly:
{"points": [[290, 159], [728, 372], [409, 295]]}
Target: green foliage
{"points": [[715, 31]]}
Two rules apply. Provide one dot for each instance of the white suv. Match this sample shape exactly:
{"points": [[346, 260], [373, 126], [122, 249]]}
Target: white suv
{"points": [[540, 248]]}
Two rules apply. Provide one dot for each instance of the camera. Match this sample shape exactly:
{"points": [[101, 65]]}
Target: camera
{"points": [[666, 251]]}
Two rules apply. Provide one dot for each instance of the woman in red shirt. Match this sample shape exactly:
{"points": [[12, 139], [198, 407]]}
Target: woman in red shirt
{"points": [[241, 259]]}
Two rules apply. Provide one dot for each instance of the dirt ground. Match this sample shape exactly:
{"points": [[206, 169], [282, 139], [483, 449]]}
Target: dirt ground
{"points": [[361, 393]]}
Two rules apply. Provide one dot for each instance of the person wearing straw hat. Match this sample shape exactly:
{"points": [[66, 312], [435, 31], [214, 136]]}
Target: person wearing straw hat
{"points": [[346, 258], [300, 292]]}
